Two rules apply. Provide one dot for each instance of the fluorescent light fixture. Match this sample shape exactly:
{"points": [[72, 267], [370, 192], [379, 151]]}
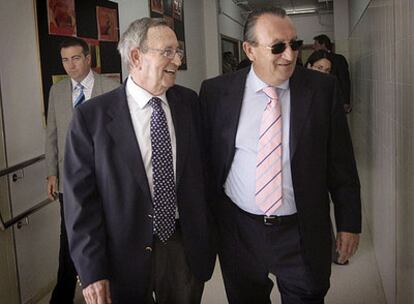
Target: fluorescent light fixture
{"points": [[296, 11]]}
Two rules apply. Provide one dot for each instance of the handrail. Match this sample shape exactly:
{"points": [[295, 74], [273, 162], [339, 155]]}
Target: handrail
{"points": [[21, 165], [16, 219], [25, 214]]}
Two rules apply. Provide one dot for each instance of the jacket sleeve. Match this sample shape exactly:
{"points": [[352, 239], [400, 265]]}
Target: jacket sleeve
{"points": [[343, 181], [84, 216]]}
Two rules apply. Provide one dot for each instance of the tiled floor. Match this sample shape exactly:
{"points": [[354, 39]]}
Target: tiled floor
{"points": [[357, 283]]}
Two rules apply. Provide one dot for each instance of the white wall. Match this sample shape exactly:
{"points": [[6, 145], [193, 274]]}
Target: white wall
{"points": [[341, 25], [20, 81], [194, 39], [382, 120], [309, 26], [211, 38], [230, 20], [356, 9]]}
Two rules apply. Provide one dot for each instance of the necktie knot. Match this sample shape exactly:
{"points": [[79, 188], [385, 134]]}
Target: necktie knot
{"points": [[79, 86], [270, 92], [155, 103]]}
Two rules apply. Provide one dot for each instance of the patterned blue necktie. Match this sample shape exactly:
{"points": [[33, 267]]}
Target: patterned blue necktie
{"points": [[81, 96], [165, 198]]}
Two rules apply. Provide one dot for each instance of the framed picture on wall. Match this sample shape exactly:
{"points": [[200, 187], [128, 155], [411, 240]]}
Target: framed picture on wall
{"points": [[230, 54], [157, 6], [61, 17], [107, 19]]}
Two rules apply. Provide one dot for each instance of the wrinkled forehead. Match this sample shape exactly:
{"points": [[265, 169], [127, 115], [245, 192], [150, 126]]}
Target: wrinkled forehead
{"points": [[271, 28], [161, 37]]}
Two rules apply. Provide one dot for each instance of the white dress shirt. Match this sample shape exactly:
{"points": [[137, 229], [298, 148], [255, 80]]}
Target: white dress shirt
{"points": [[240, 185], [141, 111], [87, 84]]}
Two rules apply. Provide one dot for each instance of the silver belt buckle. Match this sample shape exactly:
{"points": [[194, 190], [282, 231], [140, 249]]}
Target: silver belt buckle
{"points": [[265, 218]]}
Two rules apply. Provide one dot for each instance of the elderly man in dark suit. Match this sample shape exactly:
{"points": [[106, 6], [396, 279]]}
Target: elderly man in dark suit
{"points": [[81, 85], [136, 213], [277, 145]]}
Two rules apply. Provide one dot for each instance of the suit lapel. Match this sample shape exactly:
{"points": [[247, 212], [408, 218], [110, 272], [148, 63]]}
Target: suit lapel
{"points": [[66, 107], [300, 100], [232, 103], [122, 132], [97, 85], [182, 124]]}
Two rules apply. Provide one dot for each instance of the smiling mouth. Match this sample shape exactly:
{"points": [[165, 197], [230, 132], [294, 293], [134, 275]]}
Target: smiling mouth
{"points": [[170, 71]]}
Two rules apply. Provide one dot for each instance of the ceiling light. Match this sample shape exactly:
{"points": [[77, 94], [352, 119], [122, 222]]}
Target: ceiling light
{"points": [[296, 11]]}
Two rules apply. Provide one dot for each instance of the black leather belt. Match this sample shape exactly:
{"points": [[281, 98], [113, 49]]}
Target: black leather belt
{"points": [[272, 220]]}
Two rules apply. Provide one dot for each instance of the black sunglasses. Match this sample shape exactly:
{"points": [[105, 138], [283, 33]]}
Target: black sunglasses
{"points": [[280, 47]]}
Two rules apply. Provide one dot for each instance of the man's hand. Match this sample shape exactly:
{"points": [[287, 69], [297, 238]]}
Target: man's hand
{"points": [[97, 293], [52, 190], [347, 108], [346, 245]]}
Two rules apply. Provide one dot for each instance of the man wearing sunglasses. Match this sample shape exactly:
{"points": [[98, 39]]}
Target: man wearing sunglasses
{"points": [[277, 145], [136, 213]]}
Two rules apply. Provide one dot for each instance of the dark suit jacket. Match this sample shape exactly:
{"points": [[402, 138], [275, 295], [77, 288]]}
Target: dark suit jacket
{"points": [[322, 159], [108, 205], [340, 70]]}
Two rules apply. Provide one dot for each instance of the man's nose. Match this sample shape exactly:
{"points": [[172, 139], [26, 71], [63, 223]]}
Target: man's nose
{"points": [[71, 63], [288, 53], [176, 60]]}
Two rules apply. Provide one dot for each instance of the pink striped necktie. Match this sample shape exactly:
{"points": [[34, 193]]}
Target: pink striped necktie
{"points": [[269, 156]]}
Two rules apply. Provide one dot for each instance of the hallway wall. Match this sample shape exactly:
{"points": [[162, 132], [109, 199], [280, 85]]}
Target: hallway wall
{"points": [[382, 122]]}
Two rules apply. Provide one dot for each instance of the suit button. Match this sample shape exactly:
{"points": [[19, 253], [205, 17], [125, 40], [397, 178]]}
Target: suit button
{"points": [[150, 215], [149, 249]]}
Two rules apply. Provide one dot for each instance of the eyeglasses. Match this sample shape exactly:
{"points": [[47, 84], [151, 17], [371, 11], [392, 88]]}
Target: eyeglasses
{"points": [[169, 52], [280, 47]]}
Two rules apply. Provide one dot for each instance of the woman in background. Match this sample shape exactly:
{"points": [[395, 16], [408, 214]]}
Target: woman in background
{"points": [[320, 61]]}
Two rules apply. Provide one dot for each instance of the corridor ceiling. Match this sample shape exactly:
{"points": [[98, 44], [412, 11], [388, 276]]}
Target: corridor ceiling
{"points": [[291, 6]]}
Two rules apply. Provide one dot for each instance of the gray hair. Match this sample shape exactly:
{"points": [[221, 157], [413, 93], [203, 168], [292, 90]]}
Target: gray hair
{"points": [[136, 36], [248, 31]]}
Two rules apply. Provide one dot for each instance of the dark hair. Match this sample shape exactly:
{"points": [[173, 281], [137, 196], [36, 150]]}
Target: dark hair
{"points": [[318, 55], [323, 39], [248, 30], [74, 41]]}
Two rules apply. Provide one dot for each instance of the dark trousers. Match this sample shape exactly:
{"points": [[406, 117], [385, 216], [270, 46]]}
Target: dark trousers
{"points": [[64, 290], [250, 250], [171, 278]]}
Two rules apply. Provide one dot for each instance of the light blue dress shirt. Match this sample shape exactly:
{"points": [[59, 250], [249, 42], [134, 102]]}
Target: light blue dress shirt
{"points": [[240, 185]]}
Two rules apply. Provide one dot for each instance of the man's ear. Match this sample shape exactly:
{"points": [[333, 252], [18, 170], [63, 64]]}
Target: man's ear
{"points": [[135, 57], [248, 49], [88, 59]]}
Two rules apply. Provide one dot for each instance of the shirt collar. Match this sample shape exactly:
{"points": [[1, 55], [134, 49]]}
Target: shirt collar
{"points": [[253, 81], [140, 96], [86, 82]]}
